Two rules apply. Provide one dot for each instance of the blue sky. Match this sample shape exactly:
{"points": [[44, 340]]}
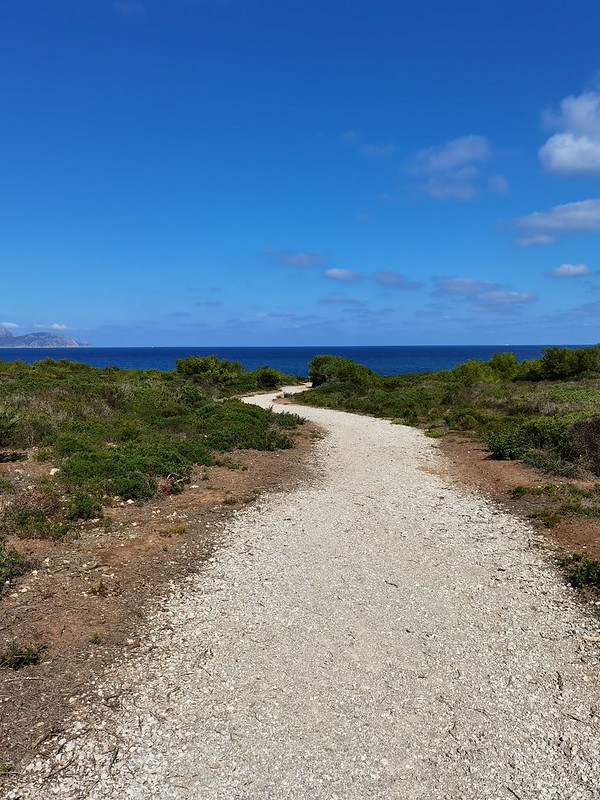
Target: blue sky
{"points": [[277, 172]]}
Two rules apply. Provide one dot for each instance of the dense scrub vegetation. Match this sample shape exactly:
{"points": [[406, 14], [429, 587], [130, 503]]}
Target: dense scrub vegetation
{"points": [[544, 411], [125, 433]]}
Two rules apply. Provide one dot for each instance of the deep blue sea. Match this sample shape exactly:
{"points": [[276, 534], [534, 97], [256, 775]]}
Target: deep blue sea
{"points": [[293, 360]]}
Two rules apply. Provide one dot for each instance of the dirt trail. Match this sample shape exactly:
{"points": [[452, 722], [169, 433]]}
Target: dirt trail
{"points": [[377, 634]]}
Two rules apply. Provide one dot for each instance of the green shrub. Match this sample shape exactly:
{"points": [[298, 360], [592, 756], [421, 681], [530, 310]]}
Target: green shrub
{"points": [[288, 421], [267, 378], [209, 369], [549, 433], [19, 655], [504, 365], [35, 514], [583, 571], [8, 428], [31, 523], [472, 372], [585, 440], [239, 425], [559, 363], [12, 565], [324, 369], [465, 419], [82, 505], [507, 445], [133, 486]]}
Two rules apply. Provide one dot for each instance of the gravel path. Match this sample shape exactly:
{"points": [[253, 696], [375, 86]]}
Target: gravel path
{"points": [[379, 634]]}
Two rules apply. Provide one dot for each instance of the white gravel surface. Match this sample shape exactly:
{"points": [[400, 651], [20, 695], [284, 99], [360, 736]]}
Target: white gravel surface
{"points": [[377, 634]]}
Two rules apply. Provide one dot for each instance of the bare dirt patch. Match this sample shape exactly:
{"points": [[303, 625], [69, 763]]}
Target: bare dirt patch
{"points": [[471, 466], [83, 604]]}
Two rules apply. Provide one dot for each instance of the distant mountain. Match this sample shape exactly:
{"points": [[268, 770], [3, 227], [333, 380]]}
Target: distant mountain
{"points": [[42, 339]]}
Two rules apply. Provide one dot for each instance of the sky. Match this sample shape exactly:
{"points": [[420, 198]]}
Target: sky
{"points": [[300, 172]]}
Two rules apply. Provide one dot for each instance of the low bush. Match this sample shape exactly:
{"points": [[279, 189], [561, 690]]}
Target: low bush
{"points": [[34, 514], [234, 424], [17, 656], [507, 445], [324, 369], [267, 378], [585, 441], [12, 565], [81, 506], [8, 428], [288, 421], [210, 370], [583, 571]]}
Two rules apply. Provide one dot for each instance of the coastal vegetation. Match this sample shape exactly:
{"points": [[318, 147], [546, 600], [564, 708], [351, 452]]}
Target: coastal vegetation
{"points": [[542, 411], [112, 434]]}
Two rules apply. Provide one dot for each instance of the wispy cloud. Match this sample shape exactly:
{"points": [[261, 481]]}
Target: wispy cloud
{"points": [[575, 149], [542, 227], [350, 137], [293, 258], [346, 275], [451, 169], [389, 277], [482, 295], [130, 8], [568, 271], [534, 240], [54, 326], [375, 149], [498, 184], [380, 150], [505, 298], [339, 300], [464, 286], [10, 325]]}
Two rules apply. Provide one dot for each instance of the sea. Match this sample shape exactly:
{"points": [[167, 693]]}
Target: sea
{"points": [[386, 360]]}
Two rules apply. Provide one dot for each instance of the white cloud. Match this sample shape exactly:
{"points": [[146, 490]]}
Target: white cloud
{"points": [[389, 277], [376, 149], [347, 275], [451, 168], [542, 227], [379, 150], [568, 271], [452, 155], [54, 326], [499, 184], [130, 8], [351, 137], [291, 258], [459, 184], [9, 325], [570, 155], [337, 300], [482, 295], [468, 286], [575, 148], [579, 114], [537, 240], [506, 298]]}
